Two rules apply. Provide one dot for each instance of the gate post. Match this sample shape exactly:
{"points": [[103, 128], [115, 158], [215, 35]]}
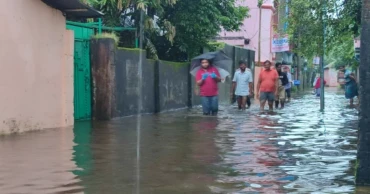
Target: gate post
{"points": [[102, 66]]}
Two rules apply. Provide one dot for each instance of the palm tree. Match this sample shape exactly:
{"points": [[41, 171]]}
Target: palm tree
{"points": [[127, 12]]}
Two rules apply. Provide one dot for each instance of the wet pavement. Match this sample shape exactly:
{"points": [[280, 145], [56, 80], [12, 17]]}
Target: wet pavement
{"points": [[295, 150]]}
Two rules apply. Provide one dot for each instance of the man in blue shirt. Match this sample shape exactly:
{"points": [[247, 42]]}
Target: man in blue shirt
{"points": [[243, 86], [288, 86]]}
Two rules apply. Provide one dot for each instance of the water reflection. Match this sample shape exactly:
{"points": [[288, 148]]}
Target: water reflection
{"points": [[296, 150], [38, 162]]}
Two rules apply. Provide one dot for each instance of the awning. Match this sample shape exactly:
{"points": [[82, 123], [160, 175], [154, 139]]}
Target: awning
{"points": [[74, 8]]}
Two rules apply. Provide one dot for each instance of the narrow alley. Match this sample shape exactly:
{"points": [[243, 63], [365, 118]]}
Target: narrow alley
{"points": [[295, 150]]}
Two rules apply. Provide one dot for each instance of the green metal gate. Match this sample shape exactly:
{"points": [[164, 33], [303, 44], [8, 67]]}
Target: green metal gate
{"points": [[82, 72]]}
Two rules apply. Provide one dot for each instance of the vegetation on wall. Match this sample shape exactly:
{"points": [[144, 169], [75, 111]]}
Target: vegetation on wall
{"points": [[174, 29]]}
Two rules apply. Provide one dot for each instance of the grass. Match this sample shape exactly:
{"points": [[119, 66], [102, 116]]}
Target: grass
{"points": [[130, 49], [107, 35], [176, 65]]}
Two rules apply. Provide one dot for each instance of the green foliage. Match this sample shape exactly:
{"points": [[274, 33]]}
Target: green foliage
{"points": [[197, 21], [306, 26], [183, 27], [214, 46], [120, 12], [342, 54]]}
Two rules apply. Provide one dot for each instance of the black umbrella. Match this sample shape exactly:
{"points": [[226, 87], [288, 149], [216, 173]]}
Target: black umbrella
{"points": [[219, 59]]}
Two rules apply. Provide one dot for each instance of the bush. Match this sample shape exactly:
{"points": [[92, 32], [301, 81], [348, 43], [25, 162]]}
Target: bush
{"points": [[107, 35]]}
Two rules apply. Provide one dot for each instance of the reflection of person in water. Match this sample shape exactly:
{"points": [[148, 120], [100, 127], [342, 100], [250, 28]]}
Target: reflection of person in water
{"points": [[204, 152], [265, 158]]}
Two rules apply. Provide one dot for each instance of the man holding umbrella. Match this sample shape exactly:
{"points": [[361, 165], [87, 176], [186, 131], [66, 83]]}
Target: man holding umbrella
{"points": [[207, 79], [209, 69]]}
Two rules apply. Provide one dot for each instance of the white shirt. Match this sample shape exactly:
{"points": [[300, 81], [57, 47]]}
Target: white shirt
{"points": [[242, 80]]}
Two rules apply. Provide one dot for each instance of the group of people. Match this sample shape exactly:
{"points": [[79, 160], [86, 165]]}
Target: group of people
{"points": [[274, 85], [346, 80]]}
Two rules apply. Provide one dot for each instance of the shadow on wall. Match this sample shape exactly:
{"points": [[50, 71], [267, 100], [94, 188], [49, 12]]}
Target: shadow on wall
{"points": [[165, 85]]}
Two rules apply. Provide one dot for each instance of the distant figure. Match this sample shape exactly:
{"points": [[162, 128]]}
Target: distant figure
{"points": [[318, 86], [268, 82], [288, 86], [283, 80], [243, 86], [207, 79], [351, 89]]}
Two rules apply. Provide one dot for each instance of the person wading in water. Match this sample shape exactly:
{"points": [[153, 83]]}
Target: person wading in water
{"points": [[283, 80], [268, 83], [243, 86], [207, 79]]}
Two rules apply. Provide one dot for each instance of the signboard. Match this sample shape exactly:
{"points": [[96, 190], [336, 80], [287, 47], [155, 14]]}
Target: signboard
{"points": [[316, 61], [280, 44]]}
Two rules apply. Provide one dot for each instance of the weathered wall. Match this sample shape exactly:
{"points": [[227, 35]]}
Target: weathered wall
{"points": [[173, 85], [127, 83], [36, 77], [103, 71], [165, 85]]}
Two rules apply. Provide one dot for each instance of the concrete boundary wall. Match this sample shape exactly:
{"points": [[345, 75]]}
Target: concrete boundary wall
{"points": [[165, 85]]}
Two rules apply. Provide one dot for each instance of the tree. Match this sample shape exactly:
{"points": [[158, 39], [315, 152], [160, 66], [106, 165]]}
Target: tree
{"points": [[342, 54], [198, 21], [363, 148], [306, 22], [174, 29]]}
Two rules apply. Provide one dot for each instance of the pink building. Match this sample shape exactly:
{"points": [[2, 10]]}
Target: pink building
{"points": [[36, 52], [249, 35], [331, 76]]}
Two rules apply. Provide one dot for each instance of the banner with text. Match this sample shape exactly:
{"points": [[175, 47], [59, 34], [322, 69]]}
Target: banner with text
{"points": [[280, 44]]}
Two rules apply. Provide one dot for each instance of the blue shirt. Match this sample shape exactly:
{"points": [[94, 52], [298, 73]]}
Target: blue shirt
{"points": [[289, 85], [242, 80]]}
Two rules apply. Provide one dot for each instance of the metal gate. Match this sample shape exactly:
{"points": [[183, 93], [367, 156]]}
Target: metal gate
{"points": [[82, 72]]}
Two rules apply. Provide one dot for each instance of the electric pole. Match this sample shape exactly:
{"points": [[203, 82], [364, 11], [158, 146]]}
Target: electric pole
{"points": [[322, 77], [260, 2]]}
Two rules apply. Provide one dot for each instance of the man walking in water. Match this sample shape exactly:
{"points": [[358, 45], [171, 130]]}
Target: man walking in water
{"points": [[267, 86], [207, 79], [283, 80], [242, 86]]}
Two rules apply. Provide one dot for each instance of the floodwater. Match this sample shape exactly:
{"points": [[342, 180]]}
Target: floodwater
{"points": [[295, 150]]}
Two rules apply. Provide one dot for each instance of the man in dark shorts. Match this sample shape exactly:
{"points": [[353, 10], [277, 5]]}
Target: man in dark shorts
{"points": [[283, 80], [268, 82], [243, 86]]}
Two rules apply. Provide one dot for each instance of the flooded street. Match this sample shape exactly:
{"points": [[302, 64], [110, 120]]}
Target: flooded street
{"points": [[295, 150]]}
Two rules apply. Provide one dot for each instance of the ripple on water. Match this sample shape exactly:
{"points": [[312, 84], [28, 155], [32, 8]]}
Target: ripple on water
{"points": [[295, 150]]}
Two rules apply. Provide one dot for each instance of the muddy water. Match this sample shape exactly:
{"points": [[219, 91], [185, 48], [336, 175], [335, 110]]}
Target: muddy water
{"points": [[296, 150]]}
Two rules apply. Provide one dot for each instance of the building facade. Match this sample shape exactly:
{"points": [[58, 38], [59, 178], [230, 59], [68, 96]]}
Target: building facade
{"points": [[248, 36], [36, 77]]}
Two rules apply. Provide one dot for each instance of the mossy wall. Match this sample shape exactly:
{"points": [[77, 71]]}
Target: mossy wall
{"points": [[164, 85]]}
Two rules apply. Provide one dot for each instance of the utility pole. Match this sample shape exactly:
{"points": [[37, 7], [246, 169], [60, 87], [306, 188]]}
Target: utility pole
{"points": [[260, 2], [322, 89]]}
